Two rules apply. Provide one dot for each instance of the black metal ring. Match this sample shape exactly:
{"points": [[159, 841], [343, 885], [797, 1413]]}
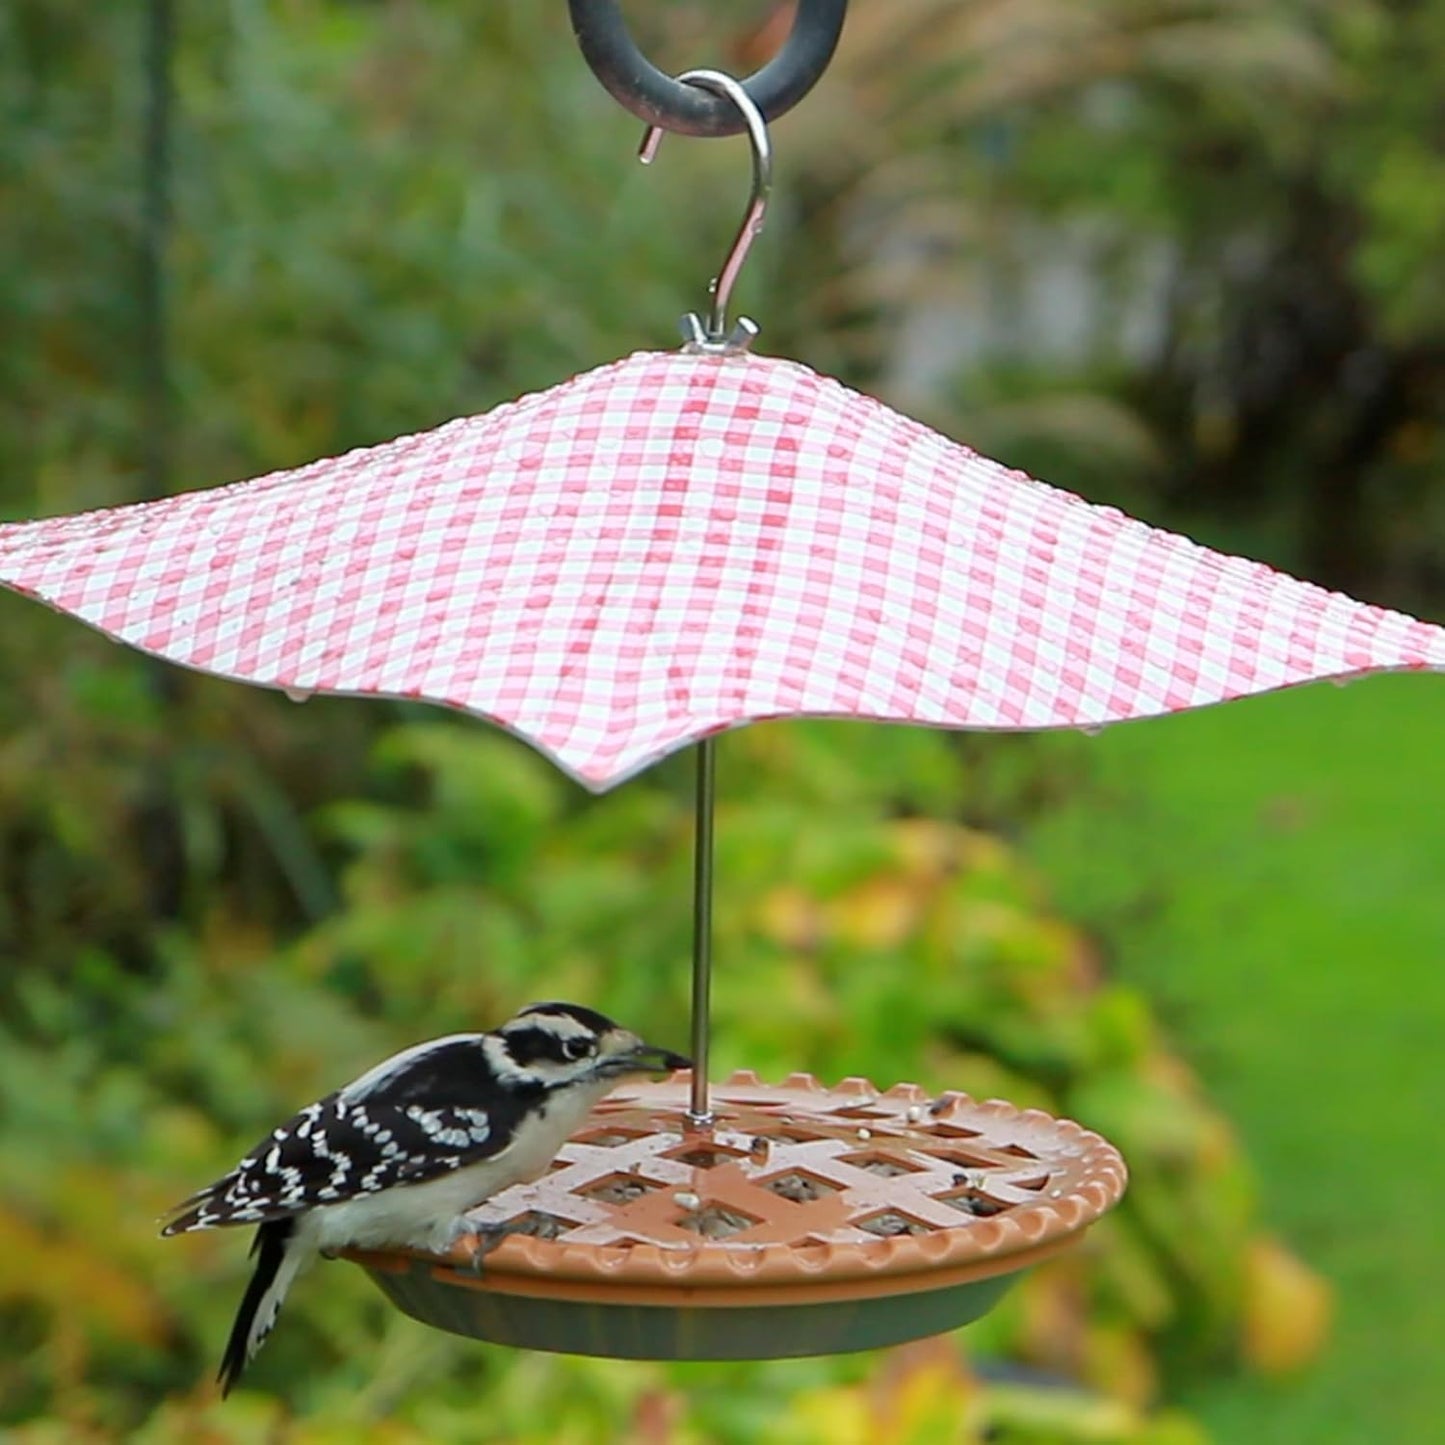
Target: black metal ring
{"points": [[657, 99]]}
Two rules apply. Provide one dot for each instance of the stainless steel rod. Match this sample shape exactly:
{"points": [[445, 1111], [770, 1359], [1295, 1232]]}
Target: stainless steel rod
{"points": [[702, 871], [156, 408]]}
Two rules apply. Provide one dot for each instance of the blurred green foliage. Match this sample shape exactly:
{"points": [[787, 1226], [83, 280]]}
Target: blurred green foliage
{"points": [[1176, 255], [888, 943]]}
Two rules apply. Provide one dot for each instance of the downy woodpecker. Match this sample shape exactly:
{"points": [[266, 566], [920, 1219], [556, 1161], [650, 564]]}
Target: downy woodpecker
{"points": [[397, 1157]]}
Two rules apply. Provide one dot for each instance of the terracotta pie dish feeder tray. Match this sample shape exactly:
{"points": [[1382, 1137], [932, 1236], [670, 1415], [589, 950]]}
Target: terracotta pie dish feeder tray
{"points": [[802, 1221]]}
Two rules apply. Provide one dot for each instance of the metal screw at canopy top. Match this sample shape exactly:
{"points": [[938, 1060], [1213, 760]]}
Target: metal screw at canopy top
{"points": [[660, 100], [714, 335]]}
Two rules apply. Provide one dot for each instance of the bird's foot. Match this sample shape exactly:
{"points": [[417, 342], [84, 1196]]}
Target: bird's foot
{"points": [[472, 1243]]}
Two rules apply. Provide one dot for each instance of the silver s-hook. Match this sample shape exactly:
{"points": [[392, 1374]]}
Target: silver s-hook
{"points": [[714, 335]]}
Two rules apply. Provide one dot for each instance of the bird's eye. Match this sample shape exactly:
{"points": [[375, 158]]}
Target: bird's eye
{"points": [[576, 1048]]}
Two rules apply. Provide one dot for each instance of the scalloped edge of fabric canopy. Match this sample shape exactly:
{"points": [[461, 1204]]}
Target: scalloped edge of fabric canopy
{"points": [[615, 779], [750, 541]]}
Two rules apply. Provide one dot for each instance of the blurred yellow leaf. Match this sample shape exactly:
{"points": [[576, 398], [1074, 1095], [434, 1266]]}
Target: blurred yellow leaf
{"points": [[1032, 1413], [1053, 1311], [1288, 1309], [925, 1396], [72, 1278], [789, 918], [343, 1432], [247, 1418], [1117, 1362], [879, 914], [55, 1432], [832, 1416]]}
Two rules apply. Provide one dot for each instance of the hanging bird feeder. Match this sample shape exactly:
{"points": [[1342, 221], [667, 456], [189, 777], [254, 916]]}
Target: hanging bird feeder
{"points": [[797, 1220], [642, 558]]}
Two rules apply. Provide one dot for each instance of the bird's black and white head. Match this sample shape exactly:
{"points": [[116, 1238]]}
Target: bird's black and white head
{"points": [[560, 1045]]}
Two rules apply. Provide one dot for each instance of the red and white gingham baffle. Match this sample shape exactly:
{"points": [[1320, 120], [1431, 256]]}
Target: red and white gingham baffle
{"points": [[676, 543]]}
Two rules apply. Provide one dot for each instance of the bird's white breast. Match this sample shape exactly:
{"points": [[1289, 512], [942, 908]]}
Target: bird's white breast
{"points": [[424, 1216]]}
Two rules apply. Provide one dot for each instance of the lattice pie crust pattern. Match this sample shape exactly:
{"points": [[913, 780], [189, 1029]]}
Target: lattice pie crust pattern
{"points": [[797, 1186]]}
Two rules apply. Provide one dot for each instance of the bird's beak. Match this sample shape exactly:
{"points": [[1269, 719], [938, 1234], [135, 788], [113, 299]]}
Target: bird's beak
{"points": [[647, 1059]]}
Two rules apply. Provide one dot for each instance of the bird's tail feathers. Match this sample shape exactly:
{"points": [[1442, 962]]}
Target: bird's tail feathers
{"points": [[279, 1257]]}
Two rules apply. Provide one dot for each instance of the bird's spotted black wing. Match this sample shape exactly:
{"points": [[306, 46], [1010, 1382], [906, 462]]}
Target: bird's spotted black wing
{"points": [[402, 1128]]}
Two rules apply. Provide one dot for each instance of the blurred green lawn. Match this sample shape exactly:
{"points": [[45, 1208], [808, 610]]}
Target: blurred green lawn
{"points": [[1274, 871]]}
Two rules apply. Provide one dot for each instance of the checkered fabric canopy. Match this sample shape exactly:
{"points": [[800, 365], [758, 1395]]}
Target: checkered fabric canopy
{"points": [[677, 543]]}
